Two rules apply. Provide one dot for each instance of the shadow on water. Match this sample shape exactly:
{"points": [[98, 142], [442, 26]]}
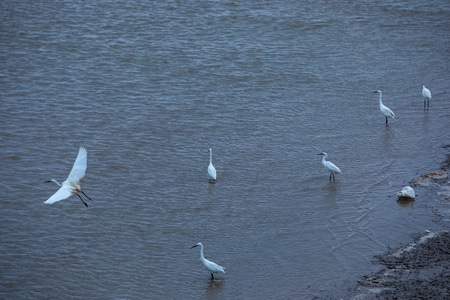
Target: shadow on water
{"points": [[214, 287], [425, 119], [407, 204], [332, 190], [389, 134], [211, 187]]}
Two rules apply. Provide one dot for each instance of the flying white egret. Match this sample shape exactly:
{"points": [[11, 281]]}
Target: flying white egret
{"points": [[209, 265], [332, 168], [211, 170], [72, 184], [406, 193], [387, 112], [426, 97]]}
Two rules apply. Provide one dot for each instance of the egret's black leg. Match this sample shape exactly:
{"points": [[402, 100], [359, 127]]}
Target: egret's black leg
{"points": [[424, 103], [330, 176], [86, 196], [386, 119], [82, 200], [212, 276]]}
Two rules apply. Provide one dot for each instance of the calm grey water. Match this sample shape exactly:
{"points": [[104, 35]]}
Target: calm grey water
{"points": [[148, 87]]}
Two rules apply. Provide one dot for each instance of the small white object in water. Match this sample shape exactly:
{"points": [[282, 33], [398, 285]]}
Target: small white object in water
{"points": [[407, 192]]}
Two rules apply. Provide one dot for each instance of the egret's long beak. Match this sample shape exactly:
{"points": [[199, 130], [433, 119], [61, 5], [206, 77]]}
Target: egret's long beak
{"points": [[194, 246], [320, 154]]}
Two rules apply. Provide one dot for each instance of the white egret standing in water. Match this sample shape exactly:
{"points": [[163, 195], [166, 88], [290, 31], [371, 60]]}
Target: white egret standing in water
{"points": [[72, 185], [332, 168], [387, 112], [209, 265], [426, 97], [211, 170]]}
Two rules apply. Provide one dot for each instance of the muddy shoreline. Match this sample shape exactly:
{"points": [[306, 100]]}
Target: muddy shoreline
{"points": [[420, 270]]}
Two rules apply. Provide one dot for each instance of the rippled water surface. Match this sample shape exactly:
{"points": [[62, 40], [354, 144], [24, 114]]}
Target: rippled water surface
{"points": [[148, 87]]}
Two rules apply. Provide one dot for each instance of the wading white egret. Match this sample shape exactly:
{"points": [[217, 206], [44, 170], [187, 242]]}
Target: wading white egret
{"points": [[332, 168], [426, 97], [407, 193], [211, 170], [209, 265], [387, 112], [72, 185]]}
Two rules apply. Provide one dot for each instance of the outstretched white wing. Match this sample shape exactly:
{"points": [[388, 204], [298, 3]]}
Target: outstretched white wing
{"points": [[64, 192], [79, 166]]}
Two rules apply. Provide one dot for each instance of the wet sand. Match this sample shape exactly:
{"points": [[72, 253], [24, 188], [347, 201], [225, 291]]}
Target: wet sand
{"points": [[420, 270]]}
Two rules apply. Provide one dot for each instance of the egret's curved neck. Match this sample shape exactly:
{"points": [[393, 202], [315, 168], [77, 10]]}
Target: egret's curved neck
{"points": [[381, 95], [201, 252], [210, 160], [324, 158]]}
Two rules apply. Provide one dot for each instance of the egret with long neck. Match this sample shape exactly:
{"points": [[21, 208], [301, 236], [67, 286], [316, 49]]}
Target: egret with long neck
{"points": [[387, 112], [209, 265], [332, 168], [72, 185], [211, 170]]}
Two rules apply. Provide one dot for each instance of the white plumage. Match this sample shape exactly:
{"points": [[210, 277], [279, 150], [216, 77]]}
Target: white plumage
{"points": [[407, 192], [387, 112], [332, 168], [426, 97], [209, 265], [211, 170], [72, 185]]}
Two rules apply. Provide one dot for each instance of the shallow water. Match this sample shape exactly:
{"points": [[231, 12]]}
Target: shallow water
{"points": [[149, 87]]}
